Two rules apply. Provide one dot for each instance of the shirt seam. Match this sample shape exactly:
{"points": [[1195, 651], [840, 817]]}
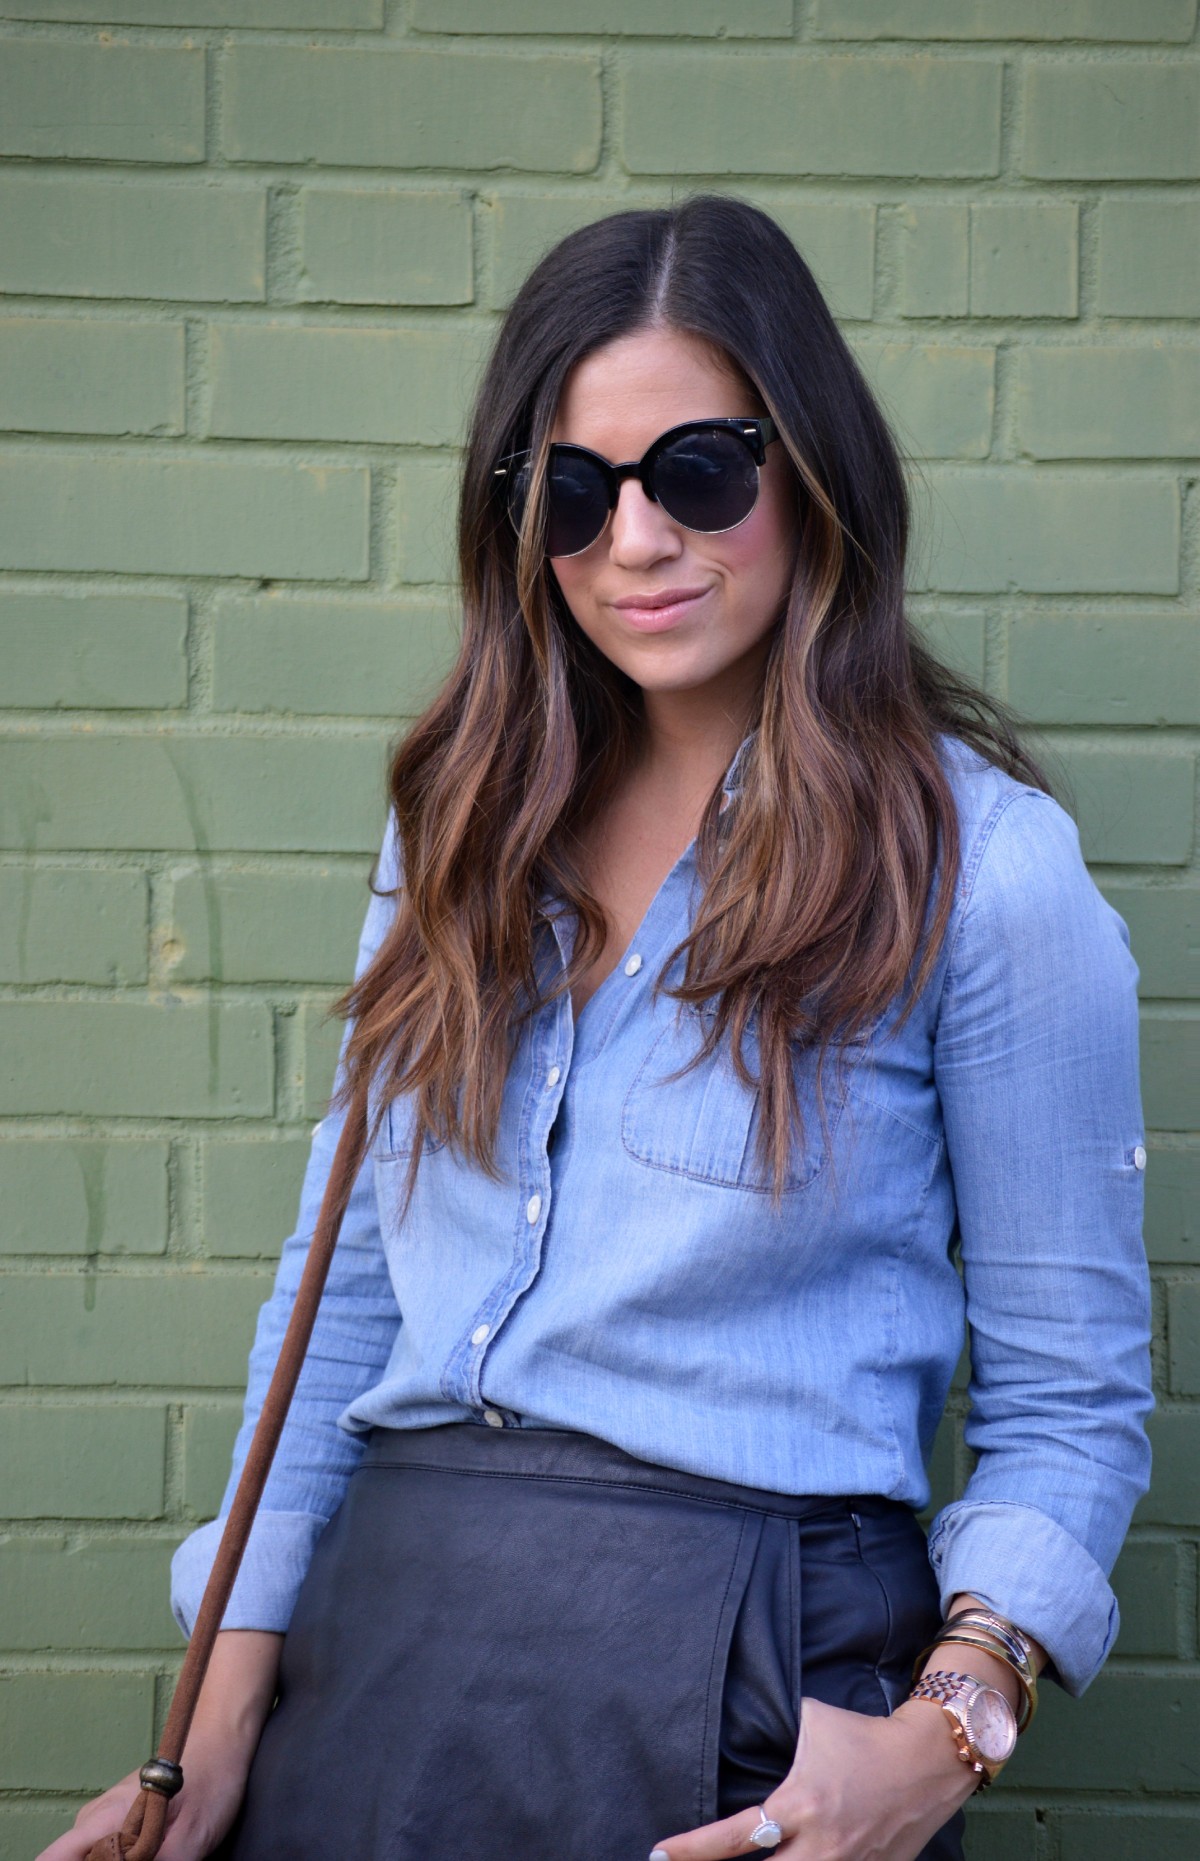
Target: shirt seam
{"points": [[968, 878]]}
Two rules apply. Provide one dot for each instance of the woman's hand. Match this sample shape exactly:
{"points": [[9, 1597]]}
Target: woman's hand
{"points": [[860, 1789], [197, 1818], [236, 1697]]}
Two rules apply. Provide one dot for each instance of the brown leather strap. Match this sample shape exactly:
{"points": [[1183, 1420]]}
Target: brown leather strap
{"points": [[142, 1832]]}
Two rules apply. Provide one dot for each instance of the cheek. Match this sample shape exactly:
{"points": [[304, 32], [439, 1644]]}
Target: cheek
{"points": [[574, 579], [758, 554]]}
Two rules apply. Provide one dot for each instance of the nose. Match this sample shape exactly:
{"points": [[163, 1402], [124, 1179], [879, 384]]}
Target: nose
{"points": [[641, 531]]}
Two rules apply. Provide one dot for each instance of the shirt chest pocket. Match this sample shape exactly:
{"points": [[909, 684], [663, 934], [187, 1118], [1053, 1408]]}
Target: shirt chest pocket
{"points": [[397, 1131], [705, 1124]]}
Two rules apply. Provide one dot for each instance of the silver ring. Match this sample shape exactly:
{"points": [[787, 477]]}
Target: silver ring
{"points": [[768, 1834]]}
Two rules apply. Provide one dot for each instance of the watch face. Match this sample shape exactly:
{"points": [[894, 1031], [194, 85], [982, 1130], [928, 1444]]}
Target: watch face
{"points": [[991, 1725]]}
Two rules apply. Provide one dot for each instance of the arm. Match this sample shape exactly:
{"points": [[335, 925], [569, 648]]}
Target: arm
{"points": [[238, 1692], [1036, 1065], [352, 1340]]}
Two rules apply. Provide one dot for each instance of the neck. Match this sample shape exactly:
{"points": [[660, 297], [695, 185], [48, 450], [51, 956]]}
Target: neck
{"points": [[690, 737]]}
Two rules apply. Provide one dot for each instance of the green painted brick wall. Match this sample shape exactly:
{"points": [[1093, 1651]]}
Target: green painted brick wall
{"points": [[251, 256]]}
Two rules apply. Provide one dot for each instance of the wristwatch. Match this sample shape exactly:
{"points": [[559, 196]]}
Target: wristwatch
{"points": [[983, 1722]]}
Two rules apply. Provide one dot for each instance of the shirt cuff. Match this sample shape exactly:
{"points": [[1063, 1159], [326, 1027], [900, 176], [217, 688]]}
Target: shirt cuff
{"points": [[268, 1582], [1024, 1565]]}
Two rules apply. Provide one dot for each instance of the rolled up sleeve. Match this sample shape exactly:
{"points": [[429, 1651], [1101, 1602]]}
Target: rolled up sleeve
{"points": [[1036, 1064], [352, 1341]]}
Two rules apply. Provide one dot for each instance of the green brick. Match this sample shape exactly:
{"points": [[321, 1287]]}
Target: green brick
{"points": [[321, 1034], [208, 1434], [956, 638], [934, 259], [183, 516], [125, 103], [836, 239], [939, 398], [396, 387], [1174, 1496], [1087, 1741], [377, 246], [426, 519], [1149, 258], [86, 1461], [76, 1195], [1183, 1325], [995, 259], [184, 1328], [268, 926], [72, 926], [1134, 806], [1173, 1205], [1112, 121], [1024, 260], [1105, 668], [65, 1594], [1047, 532], [27, 1827], [251, 1194], [1005, 19], [725, 19], [324, 15], [63, 237], [1100, 403], [94, 651], [1146, 1580], [330, 657], [1000, 1834], [80, 375], [1119, 1834], [1164, 934], [71, 1731], [794, 113], [403, 108], [135, 1059], [193, 794], [1170, 1076]]}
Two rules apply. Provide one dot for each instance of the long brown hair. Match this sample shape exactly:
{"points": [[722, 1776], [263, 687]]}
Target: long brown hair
{"points": [[819, 903]]}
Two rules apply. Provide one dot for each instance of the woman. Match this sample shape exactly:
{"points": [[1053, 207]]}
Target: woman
{"points": [[729, 971]]}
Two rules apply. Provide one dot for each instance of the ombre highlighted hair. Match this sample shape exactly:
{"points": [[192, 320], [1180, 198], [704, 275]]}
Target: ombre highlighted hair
{"points": [[819, 903]]}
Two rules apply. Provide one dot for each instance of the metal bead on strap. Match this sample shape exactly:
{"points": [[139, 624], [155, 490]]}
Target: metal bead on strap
{"points": [[161, 1775]]}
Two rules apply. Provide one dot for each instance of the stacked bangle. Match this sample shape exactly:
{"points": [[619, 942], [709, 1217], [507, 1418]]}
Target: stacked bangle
{"points": [[994, 1634]]}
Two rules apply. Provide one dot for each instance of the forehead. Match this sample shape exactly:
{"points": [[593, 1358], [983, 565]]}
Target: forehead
{"points": [[621, 397]]}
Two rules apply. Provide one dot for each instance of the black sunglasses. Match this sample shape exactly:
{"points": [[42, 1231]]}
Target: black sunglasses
{"points": [[705, 474]]}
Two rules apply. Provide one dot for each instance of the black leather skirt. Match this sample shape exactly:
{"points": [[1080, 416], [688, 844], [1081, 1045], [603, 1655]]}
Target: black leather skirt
{"points": [[524, 1644]]}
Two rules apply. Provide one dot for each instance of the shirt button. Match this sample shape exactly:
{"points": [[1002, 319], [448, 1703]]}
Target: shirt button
{"points": [[553, 1076], [633, 965], [1139, 1157], [479, 1334], [533, 1209], [493, 1418]]}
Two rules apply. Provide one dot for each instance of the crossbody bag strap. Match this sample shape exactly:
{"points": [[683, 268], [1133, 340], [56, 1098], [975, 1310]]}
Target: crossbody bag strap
{"points": [[142, 1832]]}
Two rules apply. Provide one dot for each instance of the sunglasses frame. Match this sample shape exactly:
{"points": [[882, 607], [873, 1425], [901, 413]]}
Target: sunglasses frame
{"points": [[756, 435]]}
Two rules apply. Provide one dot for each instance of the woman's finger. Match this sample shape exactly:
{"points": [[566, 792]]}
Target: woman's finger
{"points": [[719, 1841]]}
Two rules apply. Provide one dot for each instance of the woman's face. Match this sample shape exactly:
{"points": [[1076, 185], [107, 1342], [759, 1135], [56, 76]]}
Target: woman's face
{"points": [[729, 589]]}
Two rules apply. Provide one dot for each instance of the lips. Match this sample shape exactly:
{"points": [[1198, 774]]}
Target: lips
{"points": [[655, 612]]}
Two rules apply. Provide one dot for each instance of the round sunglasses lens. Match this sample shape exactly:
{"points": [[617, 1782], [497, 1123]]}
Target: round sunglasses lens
{"points": [[707, 481], [578, 504]]}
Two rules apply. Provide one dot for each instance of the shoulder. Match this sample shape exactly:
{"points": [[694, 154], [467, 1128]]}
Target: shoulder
{"points": [[1011, 835], [1023, 893]]}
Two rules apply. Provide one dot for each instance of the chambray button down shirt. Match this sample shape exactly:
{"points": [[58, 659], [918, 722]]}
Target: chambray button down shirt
{"points": [[629, 1278]]}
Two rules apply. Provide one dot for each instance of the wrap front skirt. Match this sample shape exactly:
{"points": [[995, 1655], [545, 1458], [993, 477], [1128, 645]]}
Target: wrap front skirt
{"points": [[526, 1645]]}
